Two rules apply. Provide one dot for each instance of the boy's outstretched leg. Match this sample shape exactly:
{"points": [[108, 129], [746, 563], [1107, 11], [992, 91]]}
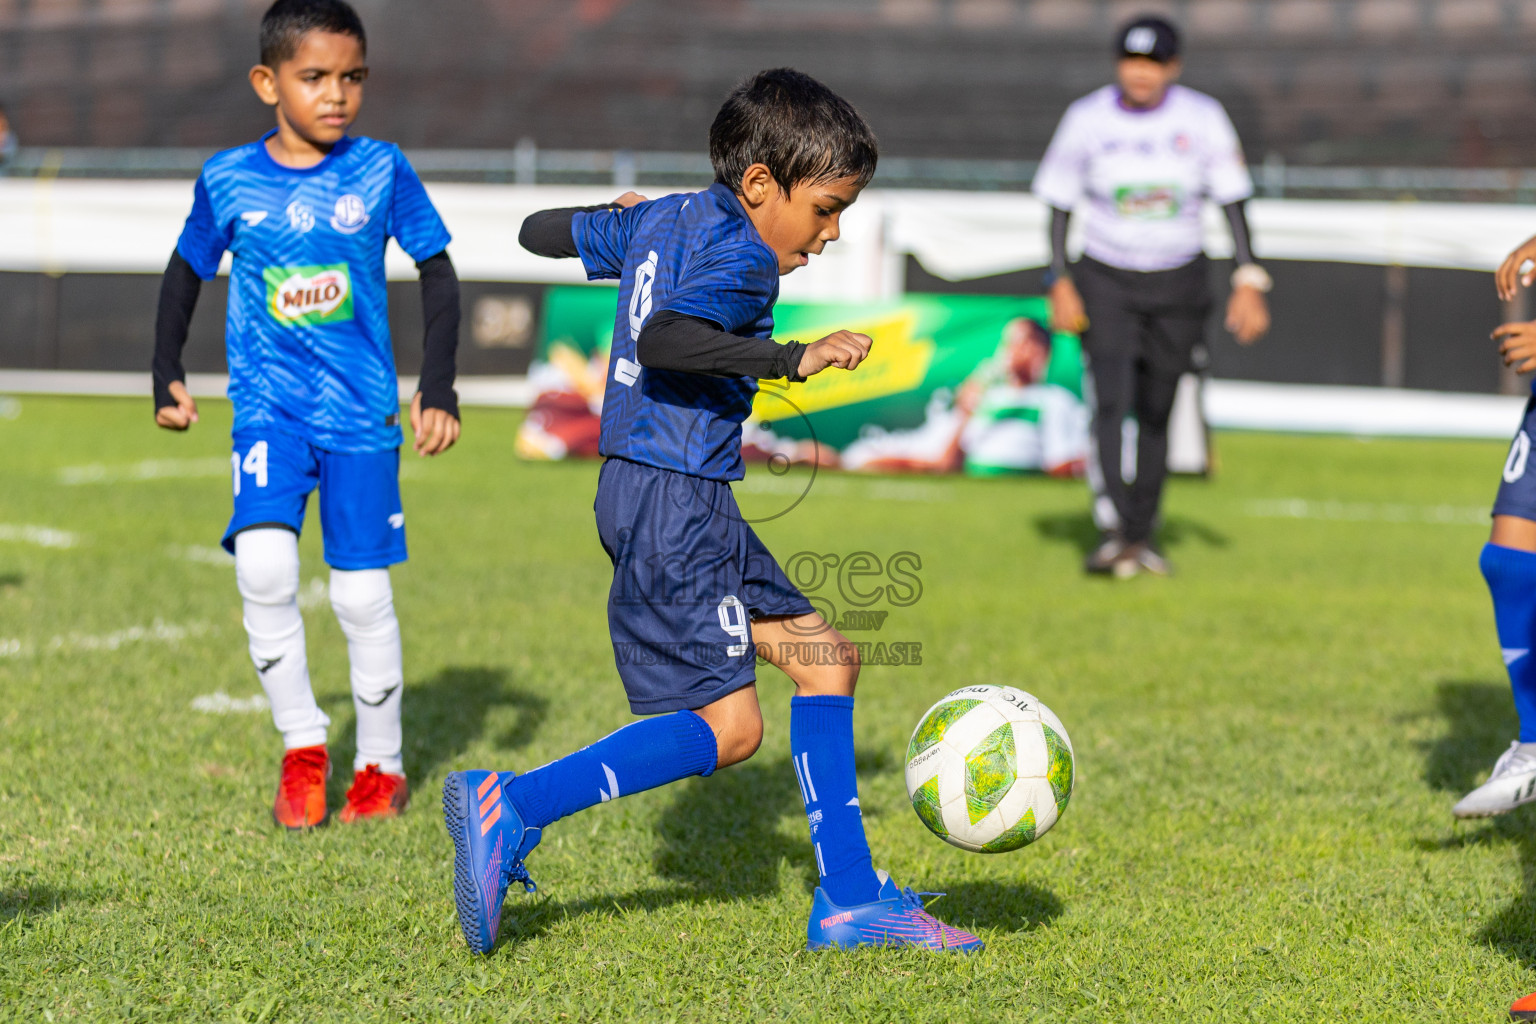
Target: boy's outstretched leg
{"points": [[267, 573], [497, 818], [1509, 565], [854, 905]]}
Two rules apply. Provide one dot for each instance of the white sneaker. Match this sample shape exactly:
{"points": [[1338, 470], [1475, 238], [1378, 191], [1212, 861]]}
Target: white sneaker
{"points": [[1512, 783]]}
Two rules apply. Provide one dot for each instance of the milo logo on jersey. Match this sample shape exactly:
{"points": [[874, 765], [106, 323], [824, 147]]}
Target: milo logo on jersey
{"points": [[306, 296], [1148, 202]]}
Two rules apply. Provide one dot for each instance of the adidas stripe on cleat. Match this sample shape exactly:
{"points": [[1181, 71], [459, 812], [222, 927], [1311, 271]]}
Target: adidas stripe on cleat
{"points": [[897, 918], [489, 844]]}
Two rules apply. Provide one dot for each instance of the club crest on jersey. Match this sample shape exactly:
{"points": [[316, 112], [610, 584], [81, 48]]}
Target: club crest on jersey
{"points": [[304, 296], [351, 215], [300, 217]]}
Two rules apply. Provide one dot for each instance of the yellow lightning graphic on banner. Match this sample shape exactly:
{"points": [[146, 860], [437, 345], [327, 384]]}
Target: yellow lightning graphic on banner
{"points": [[897, 363]]}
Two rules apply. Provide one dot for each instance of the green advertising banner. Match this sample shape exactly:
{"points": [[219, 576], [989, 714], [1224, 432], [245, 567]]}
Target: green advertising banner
{"points": [[940, 363]]}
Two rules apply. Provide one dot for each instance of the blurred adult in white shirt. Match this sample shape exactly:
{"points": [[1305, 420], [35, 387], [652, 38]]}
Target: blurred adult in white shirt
{"points": [[1139, 158]]}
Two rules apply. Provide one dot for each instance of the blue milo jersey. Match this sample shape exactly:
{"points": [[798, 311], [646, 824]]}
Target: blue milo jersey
{"points": [[697, 254], [308, 325]]}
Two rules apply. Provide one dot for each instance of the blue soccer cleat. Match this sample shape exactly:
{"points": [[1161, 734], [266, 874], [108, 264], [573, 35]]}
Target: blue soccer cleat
{"points": [[489, 844], [897, 918]]}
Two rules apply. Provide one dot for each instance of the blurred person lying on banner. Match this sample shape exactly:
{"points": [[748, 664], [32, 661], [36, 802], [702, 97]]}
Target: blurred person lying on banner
{"points": [[566, 415], [1005, 418], [1141, 155], [8, 141]]}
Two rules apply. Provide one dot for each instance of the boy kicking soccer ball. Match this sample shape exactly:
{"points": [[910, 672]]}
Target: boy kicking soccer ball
{"points": [[695, 594], [307, 211]]}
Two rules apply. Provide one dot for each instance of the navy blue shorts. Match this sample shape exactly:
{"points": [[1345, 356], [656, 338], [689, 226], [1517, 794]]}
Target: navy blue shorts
{"points": [[361, 519], [1517, 490], [689, 576]]}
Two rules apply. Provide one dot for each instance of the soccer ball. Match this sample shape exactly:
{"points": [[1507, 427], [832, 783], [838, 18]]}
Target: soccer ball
{"points": [[989, 769]]}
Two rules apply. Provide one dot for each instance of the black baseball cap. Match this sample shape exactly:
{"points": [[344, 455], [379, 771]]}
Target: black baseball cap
{"points": [[1148, 36]]}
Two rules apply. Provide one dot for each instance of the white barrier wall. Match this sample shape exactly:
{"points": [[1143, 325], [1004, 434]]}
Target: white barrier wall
{"points": [[64, 226], [130, 226]]}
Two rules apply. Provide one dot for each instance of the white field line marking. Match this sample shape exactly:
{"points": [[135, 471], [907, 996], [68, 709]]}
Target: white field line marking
{"points": [[884, 490], [42, 536], [86, 643], [1369, 512], [221, 703], [10, 409], [149, 469], [203, 554], [157, 631], [897, 490]]}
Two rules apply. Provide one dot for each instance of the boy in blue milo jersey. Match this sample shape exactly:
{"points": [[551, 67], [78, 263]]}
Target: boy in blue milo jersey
{"points": [[307, 211], [695, 594]]}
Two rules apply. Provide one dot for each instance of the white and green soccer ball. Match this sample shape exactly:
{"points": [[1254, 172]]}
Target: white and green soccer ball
{"points": [[989, 769]]}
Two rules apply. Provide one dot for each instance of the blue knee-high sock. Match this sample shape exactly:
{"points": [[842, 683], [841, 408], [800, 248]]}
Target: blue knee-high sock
{"points": [[640, 756], [1511, 576], [821, 744]]}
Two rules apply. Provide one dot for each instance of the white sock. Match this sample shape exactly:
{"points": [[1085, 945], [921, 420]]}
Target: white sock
{"points": [[365, 607], [267, 572]]}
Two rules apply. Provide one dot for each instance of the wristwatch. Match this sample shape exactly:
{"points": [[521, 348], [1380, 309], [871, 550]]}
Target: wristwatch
{"points": [[1251, 275]]}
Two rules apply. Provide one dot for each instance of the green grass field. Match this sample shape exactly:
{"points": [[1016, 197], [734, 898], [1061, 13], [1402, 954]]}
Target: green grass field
{"points": [[1268, 748]]}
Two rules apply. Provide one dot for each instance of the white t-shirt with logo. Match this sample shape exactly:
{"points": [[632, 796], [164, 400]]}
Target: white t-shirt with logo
{"points": [[1144, 174]]}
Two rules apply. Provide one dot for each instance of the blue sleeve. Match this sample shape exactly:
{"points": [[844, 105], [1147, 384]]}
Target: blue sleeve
{"points": [[203, 238], [413, 220], [732, 285], [602, 240]]}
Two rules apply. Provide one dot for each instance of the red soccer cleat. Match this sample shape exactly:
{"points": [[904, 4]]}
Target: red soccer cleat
{"points": [[375, 794], [1524, 1009], [300, 802]]}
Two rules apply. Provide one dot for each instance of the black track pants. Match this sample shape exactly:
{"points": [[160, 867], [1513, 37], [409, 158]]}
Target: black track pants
{"points": [[1142, 328]]}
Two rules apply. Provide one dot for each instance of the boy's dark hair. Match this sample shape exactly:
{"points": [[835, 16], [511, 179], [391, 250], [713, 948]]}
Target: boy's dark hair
{"points": [[287, 22], [801, 130]]}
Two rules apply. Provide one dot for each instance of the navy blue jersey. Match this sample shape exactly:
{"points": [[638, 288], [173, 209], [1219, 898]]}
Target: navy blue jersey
{"points": [[698, 254], [308, 325]]}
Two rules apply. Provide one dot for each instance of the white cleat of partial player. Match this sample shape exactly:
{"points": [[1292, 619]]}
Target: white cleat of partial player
{"points": [[1512, 783]]}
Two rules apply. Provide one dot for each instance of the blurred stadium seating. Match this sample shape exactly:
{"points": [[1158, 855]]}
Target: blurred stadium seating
{"points": [[1362, 99], [1360, 82]]}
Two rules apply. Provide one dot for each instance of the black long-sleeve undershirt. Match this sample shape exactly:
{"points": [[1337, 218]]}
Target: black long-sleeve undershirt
{"points": [[1059, 221], [676, 341], [180, 287], [440, 339], [549, 232], [671, 340], [1237, 220]]}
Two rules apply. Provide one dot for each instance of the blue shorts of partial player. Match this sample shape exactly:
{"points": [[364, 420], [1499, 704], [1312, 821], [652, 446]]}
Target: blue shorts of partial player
{"points": [[1517, 489], [689, 578], [361, 519]]}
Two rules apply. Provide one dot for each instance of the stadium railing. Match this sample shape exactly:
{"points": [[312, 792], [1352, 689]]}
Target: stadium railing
{"points": [[527, 164]]}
